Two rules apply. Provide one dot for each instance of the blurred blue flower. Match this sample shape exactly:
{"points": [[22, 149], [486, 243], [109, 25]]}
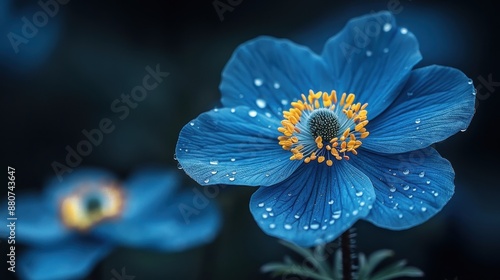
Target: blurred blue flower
{"points": [[318, 162], [77, 222]]}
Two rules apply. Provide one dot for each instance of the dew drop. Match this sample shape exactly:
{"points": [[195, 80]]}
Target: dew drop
{"points": [[332, 222], [214, 162], [287, 226], [370, 207], [314, 226], [417, 121], [423, 209], [409, 93], [231, 179], [391, 196], [407, 187], [330, 202], [296, 216], [258, 82], [179, 166], [216, 110], [233, 110], [305, 227], [271, 226], [284, 102], [421, 174], [336, 214], [392, 189], [362, 203], [469, 82], [387, 27], [358, 194], [436, 194], [369, 53], [261, 103], [264, 216], [463, 130], [261, 204], [324, 227], [233, 159], [474, 92], [355, 212], [213, 172], [276, 85], [403, 30], [406, 172], [400, 216], [191, 123], [252, 113], [271, 214], [206, 181], [428, 182], [385, 50], [411, 207], [269, 209]]}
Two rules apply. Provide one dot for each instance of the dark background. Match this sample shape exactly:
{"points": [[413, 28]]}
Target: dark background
{"points": [[65, 79]]}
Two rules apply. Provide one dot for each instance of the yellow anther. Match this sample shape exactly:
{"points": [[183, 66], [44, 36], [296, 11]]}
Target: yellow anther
{"points": [[316, 104], [321, 159], [364, 106], [313, 156], [350, 99], [326, 100], [329, 162], [333, 96], [342, 99], [307, 160], [346, 133], [364, 134]]}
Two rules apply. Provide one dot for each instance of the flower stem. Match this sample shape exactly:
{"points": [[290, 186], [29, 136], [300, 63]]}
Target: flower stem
{"points": [[347, 246]]}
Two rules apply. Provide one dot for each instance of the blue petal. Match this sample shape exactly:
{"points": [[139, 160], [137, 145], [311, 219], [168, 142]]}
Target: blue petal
{"points": [[410, 187], [66, 261], [55, 190], [315, 205], [189, 220], [372, 58], [266, 74], [439, 104], [38, 223], [148, 188], [234, 146]]}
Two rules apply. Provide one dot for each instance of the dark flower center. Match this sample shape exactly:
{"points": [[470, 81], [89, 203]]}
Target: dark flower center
{"points": [[324, 123], [93, 205]]}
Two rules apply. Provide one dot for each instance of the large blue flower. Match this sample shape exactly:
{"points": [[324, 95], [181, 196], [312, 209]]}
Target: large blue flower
{"points": [[77, 222], [332, 138]]}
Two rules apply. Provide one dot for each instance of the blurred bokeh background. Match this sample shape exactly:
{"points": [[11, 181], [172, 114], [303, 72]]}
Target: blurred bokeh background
{"points": [[65, 78]]}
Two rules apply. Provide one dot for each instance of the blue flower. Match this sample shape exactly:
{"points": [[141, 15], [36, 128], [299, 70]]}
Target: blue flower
{"points": [[333, 138], [77, 222]]}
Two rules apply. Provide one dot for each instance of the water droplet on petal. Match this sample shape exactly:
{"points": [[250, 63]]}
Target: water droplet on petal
{"points": [[271, 214], [436, 194], [276, 85], [261, 204], [233, 110], [284, 102], [261, 103], [423, 209], [385, 50], [287, 226], [332, 222], [306, 227], [296, 216], [417, 121], [406, 187], [336, 214], [191, 123], [421, 174], [179, 166], [324, 227], [406, 172], [358, 194], [213, 172], [330, 202], [369, 53], [231, 179], [233, 159], [355, 212], [400, 216], [428, 182], [252, 113], [258, 82], [392, 189], [206, 181], [474, 91], [214, 162], [469, 82], [387, 27], [403, 30], [314, 226], [362, 203], [463, 130], [269, 209], [271, 226], [264, 216]]}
